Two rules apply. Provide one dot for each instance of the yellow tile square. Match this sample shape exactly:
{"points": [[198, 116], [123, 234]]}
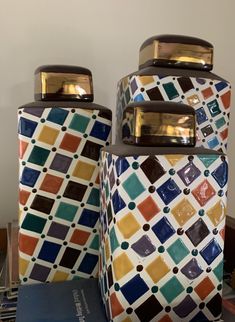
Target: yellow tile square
{"points": [[183, 211], [107, 250], [193, 100], [127, 320], [174, 158], [122, 265], [83, 170], [157, 269], [23, 265], [128, 225], [145, 80], [60, 276], [48, 135], [217, 213]]}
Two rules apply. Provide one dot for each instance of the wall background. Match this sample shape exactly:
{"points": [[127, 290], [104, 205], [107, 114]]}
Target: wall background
{"points": [[104, 36]]}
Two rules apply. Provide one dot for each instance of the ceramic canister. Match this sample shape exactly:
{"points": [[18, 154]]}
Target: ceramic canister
{"points": [[178, 69], [60, 137]]}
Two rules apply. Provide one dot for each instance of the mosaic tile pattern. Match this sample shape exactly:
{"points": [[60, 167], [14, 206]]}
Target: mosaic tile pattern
{"points": [[161, 238], [210, 99], [59, 192]]}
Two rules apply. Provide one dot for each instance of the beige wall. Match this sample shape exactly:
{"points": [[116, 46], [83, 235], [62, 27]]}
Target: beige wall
{"points": [[104, 36]]}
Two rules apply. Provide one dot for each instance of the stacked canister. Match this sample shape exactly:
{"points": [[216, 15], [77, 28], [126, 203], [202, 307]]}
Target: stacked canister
{"points": [[163, 200]]}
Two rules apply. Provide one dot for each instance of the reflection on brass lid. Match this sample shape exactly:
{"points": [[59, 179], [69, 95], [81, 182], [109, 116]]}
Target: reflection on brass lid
{"points": [[155, 123], [176, 51], [59, 82]]}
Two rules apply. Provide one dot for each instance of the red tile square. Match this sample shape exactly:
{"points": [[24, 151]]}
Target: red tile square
{"points": [[51, 183], [79, 237], [226, 99], [23, 196], [148, 208], [27, 244], [207, 93], [203, 193], [204, 288], [70, 142], [116, 306], [224, 134], [22, 148]]}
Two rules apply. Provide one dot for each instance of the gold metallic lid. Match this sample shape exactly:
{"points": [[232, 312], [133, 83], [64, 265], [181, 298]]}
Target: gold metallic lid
{"points": [[176, 51], [59, 82], [155, 123]]}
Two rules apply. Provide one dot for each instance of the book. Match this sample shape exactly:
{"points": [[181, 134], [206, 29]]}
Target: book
{"points": [[69, 301]]}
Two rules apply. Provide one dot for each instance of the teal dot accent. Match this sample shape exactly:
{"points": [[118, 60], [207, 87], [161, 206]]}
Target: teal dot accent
{"points": [[135, 165], [166, 210], [124, 245], [117, 287], [171, 172], [131, 205], [161, 249], [189, 289], [194, 252], [201, 212], [206, 173], [154, 289]]}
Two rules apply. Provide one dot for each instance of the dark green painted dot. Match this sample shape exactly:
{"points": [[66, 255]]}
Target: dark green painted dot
{"points": [[44, 170], [194, 252], [53, 149], [25, 208], [146, 227], [131, 205], [190, 158], [201, 306], [180, 231], [94, 116], [125, 245], [151, 189], [116, 287], [167, 309], [42, 120], [171, 172], [34, 190], [84, 249], [135, 165], [219, 287], [175, 270], [107, 143], [33, 259], [206, 173], [67, 176], [50, 217], [94, 231], [73, 272], [25, 279], [117, 182], [215, 231], [64, 128], [161, 249], [129, 310], [58, 197], [43, 236], [75, 156], [73, 225], [166, 210], [85, 135], [33, 141], [201, 212], [23, 163], [139, 268], [189, 289], [208, 270], [91, 184], [82, 204], [220, 193], [20, 112], [186, 191], [55, 266], [73, 110], [222, 158], [154, 289], [65, 243]]}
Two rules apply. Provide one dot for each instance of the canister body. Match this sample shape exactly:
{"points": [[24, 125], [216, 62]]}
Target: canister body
{"points": [[162, 233], [59, 146], [207, 93]]}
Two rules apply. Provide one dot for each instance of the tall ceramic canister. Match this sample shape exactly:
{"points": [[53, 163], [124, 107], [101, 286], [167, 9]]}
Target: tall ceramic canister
{"points": [[162, 220], [60, 137], [178, 69]]}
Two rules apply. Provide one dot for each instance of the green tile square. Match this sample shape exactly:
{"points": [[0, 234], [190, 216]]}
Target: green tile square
{"points": [[170, 90], [220, 122], [218, 271], [94, 198], [171, 289], [207, 160], [213, 107], [66, 211], [133, 186], [113, 240], [178, 251], [38, 155], [107, 190], [79, 123], [95, 244], [33, 223]]}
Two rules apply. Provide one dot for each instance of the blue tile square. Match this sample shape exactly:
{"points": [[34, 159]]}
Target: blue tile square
{"points": [[220, 174], [57, 115], [26, 127], [139, 98], [201, 115], [100, 131], [163, 230], [133, 86], [168, 191], [110, 159], [88, 218], [121, 165], [199, 317], [88, 263], [29, 177], [134, 289], [211, 251], [118, 203], [212, 143], [49, 251], [221, 85]]}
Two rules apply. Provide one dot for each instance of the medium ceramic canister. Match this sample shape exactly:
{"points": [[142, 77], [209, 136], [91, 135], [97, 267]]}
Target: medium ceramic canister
{"points": [[178, 69], [60, 137], [162, 227]]}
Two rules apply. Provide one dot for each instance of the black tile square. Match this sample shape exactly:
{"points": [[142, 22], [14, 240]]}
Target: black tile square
{"points": [[109, 213], [154, 94], [91, 150], [207, 130], [149, 309], [152, 169], [75, 191], [112, 179], [110, 276], [185, 84], [215, 305], [197, 232], [42, 204], [70, 257]]}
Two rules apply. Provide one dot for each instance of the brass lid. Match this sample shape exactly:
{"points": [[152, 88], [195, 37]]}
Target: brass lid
{"points": [[176, 51], [155, 123], [59, 82]]}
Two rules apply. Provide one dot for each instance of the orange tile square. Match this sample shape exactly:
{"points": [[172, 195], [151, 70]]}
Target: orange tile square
{"points": [[148, 208], [51, 183], [116, 307], [23, 196], [224, 134], [204, 288], [226, 98], [70, 142], [22, 148], [27, 244], [79, 237], [165, 318], [207, 93]]}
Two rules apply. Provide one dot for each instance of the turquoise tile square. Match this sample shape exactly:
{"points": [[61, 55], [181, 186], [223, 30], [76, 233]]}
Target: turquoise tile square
{"points": [[113, 240], [133, 186], [94, 198], [66, 211], [170, 90], [38, 155], [79, 123], [178, 251], [172, 289], [220, 122], [218, 271]]}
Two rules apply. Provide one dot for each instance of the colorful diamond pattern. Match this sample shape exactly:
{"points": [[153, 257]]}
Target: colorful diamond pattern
{"points": [[211, 100], [161, 242], [59, 192]]}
